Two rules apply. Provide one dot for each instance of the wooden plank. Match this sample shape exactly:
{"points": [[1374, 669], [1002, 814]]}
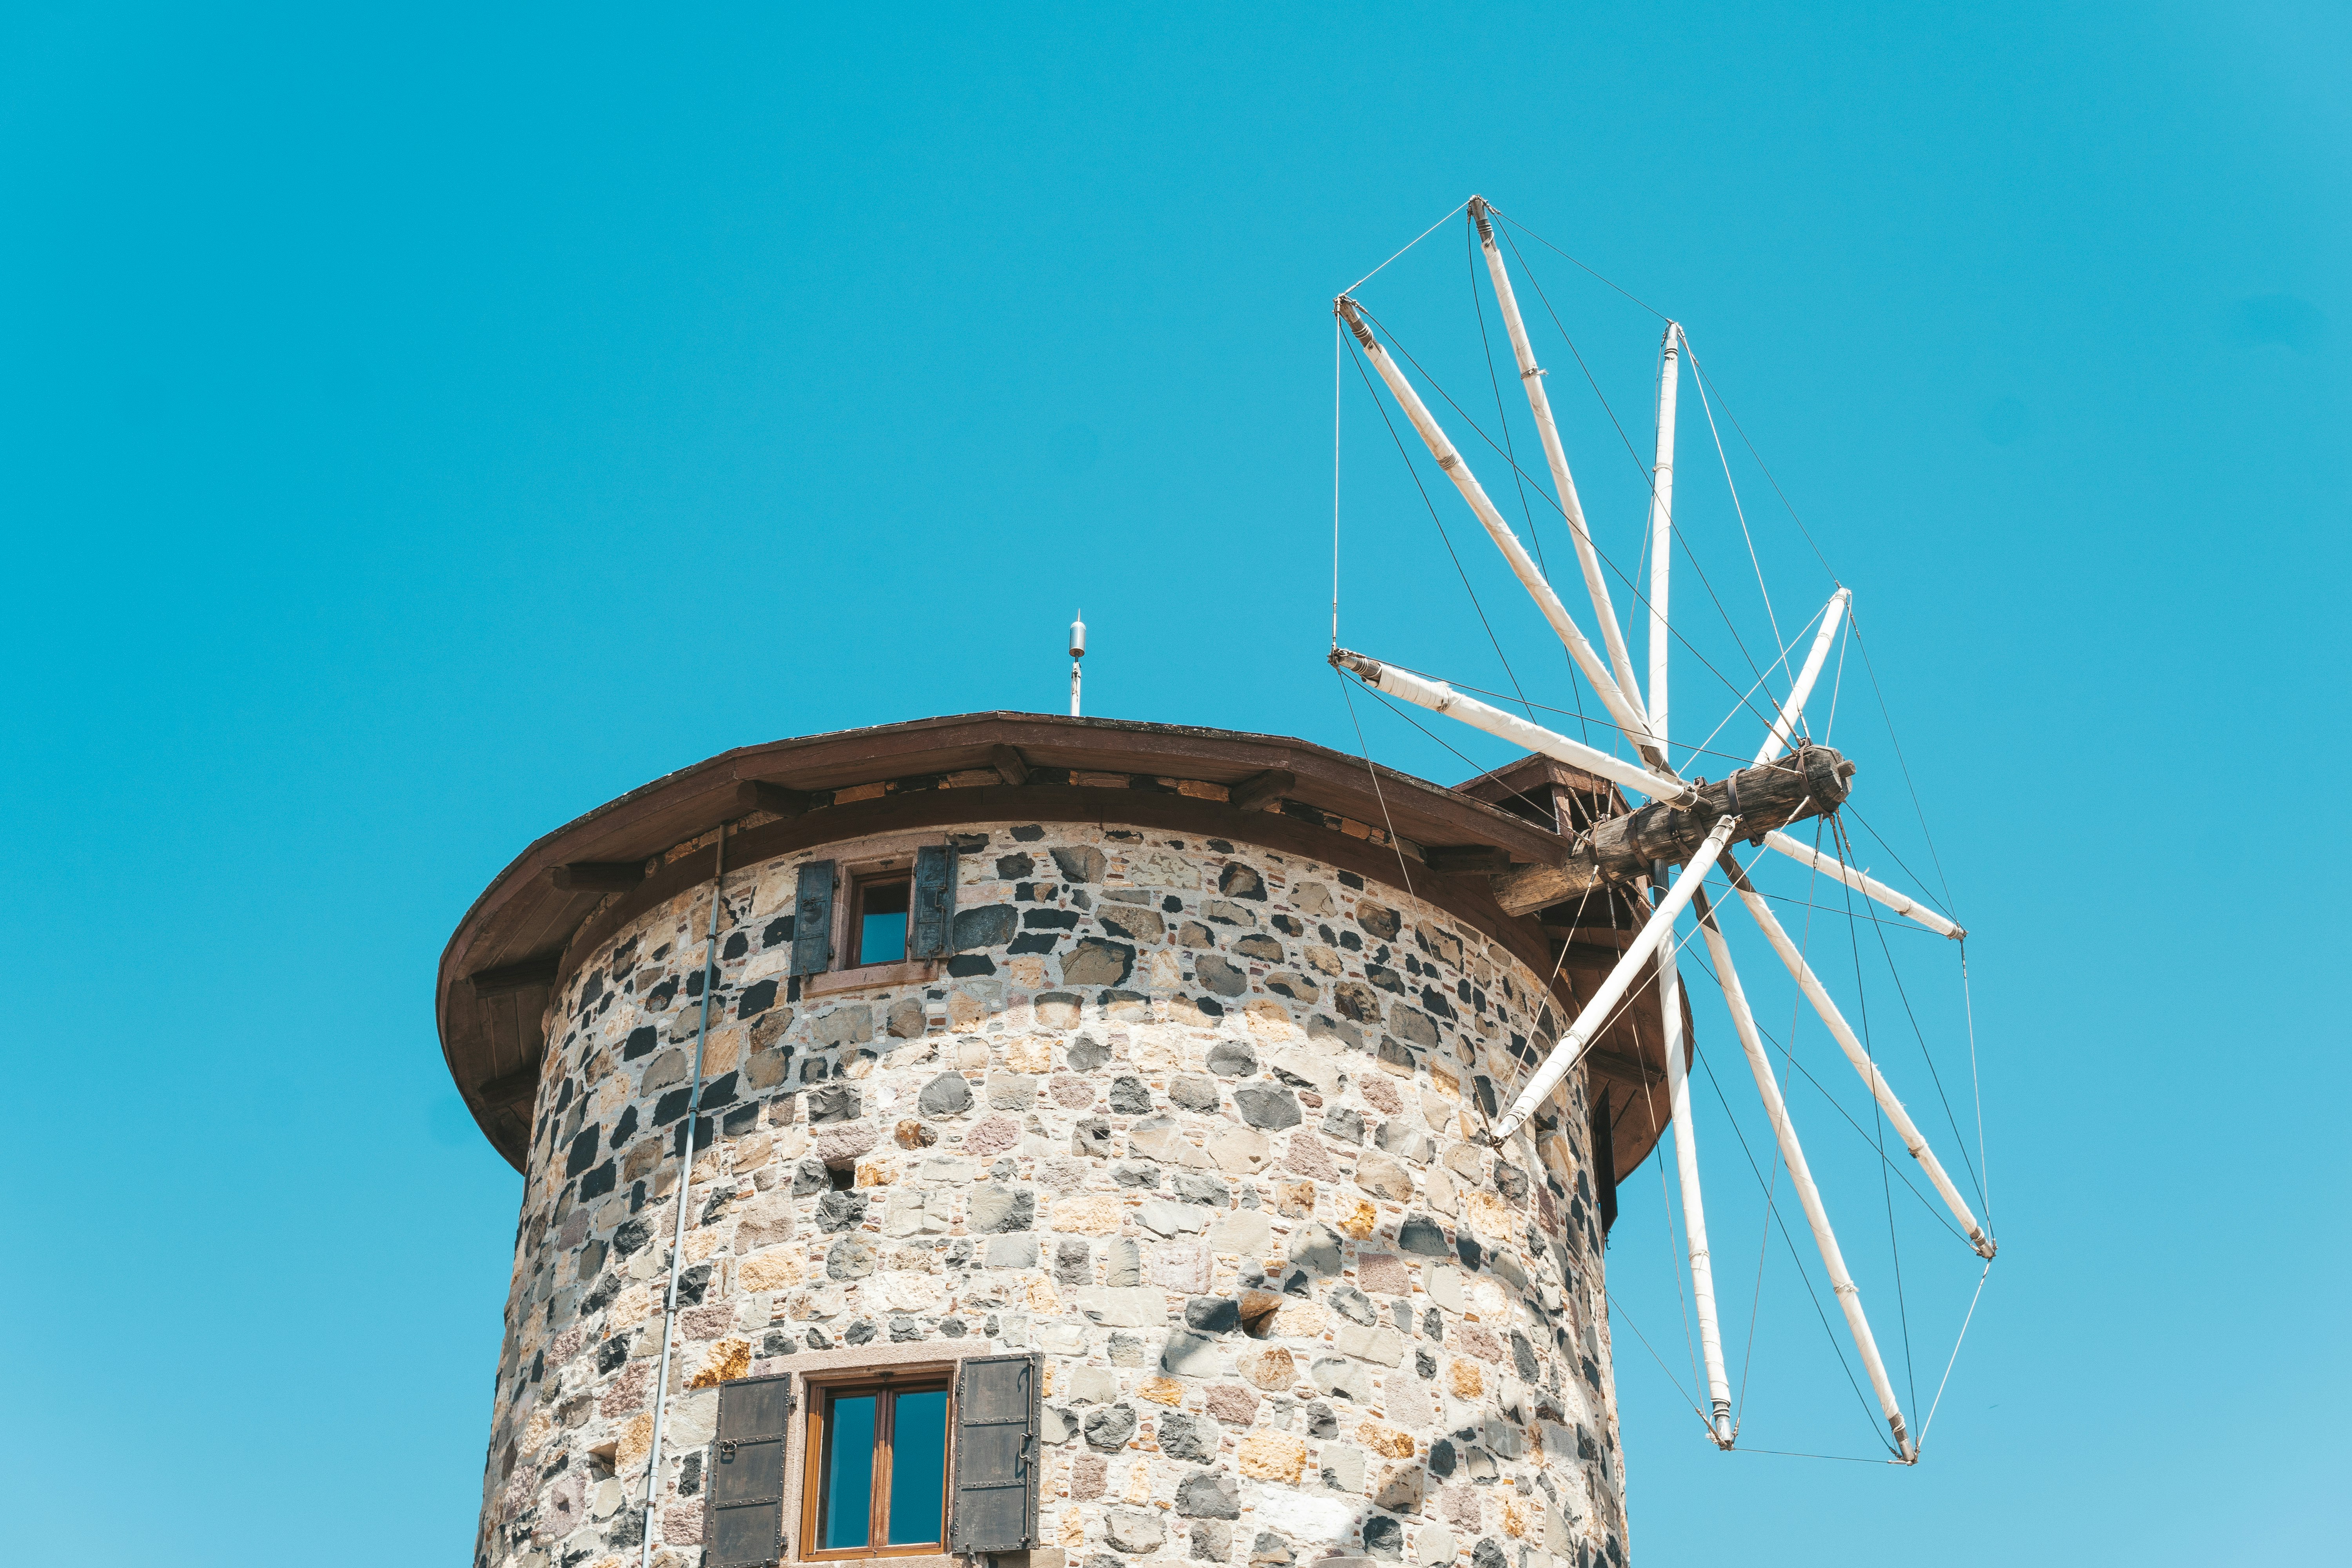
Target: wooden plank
{"points": [[766, 795], [597, 876], [1467, 857], [1009, 764], [531, 971], [514, 1088], [1261, 789]]}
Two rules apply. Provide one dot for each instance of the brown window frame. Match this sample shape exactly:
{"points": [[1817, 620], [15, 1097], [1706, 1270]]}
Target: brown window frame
{"points": [[823, 1389], [852, 939]]}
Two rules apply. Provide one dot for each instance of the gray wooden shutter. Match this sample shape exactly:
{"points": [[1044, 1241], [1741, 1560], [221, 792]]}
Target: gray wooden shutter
{"points": [[813, 919], [746, 1522], [934, 916], [996, 1456]]}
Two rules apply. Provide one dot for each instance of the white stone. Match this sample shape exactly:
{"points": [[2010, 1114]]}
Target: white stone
{"points": [[1243, 1150], [1444, 1283], [1435, 1547], [1323, 1521], [1062, 1337], [1343, 1466], [1093, 1385], [1246, 1231], [1123, 1307], [1306, 1066], [1381, 1345], [1162, 1218]]}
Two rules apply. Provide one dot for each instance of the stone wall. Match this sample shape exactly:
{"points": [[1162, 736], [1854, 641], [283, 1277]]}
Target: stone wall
{"points": [[1201, 1125]]}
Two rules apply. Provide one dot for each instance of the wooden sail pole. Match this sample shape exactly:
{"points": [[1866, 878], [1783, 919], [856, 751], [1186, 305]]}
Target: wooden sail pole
{"points": [[1800, 1173], [1844, 1034], [1662, 539], [1532, 377], [1621, 709], [1861, 882]]}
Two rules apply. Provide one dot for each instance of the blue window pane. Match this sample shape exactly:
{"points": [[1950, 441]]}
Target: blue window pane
{"points": [[918, 1467], [849, 1473], [882, 922], [883, 939]]}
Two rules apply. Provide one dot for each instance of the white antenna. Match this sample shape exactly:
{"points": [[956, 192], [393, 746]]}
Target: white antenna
{"points": [[1077, 652]]}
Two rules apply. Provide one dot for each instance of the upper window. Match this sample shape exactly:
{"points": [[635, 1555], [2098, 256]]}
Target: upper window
{"points": [[877, 919], [878, 1486]]}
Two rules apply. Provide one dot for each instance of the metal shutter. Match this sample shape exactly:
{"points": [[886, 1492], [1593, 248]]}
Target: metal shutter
{"points": [[933, 917], [813, 919], [996, 1457], [746, 1517]]}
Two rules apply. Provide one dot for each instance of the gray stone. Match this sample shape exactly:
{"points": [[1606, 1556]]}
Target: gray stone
{"points": [[992, 1207], [849, 1026], [1421, 1234], [1212, 1314], [1081, 863], [1270, 1551], [1131, 1097], [1123, 1264], [1383, 1538], [849, 1259], [1357, 1001], [1091, 1136], [1413, 1026], [1383, 1177], [1220, 912], [1192, 933], [1147, 927], [1162, 1216], [1379, 1344], [1399, 1137], [840, 1211], [1345, 1125], [1072, 1263], [1145, 1176], [1340, 1378], [1266, 1106], [944, 1096], [1135, 1533], [1192, 1438], [1194, 1094], [664, 1070], [1108, 1427], [1206, 1494], [1055, 1425], [1213, 1541], [1099, 960], [1316, 1245], [810, 1176], [1230, 1059], [1216, 974], [1086, 1052], [1260, 946], [1195, 1188], [1189, 1354], [990, 925], [1012, 1252], [1354, 1305], [834, 1102], [1320, 1422], [1435, 1547]]}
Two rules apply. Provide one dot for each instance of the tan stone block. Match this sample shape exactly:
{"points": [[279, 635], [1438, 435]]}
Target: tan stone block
{"points": [[1386, 1441], [1043, 1301], [1095, 1214], [1325, 961], [636, 1442], [1030, 1054], [1466, 1378], [1521, 1516], [1163, 1391], [728, 1360], [1293, 1199], [1359, 1219], [1027, 972], [1243, 1150], [1272, 1457], [777, 1268], [1163, 970], [1488, 1215], [965, 1010], [1445, 1083], [1271, 1022], [1271, 1369], [1296, 1320], [1383, 1177]]}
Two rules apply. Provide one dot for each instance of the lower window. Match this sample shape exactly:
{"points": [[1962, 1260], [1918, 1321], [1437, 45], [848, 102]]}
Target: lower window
{"points": [[877, 1480]]}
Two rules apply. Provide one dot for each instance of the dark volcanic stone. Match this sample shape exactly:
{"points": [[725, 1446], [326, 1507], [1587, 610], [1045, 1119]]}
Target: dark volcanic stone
{"points": [[1421, 1234], [1266, 1106]]}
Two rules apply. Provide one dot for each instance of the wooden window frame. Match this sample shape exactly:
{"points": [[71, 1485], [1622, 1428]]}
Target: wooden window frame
{"points": [[855, 925], [820, 1390]]}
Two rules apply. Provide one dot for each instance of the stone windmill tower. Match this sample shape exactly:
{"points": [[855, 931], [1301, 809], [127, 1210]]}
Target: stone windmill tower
{"points": [[1053, 1139]]}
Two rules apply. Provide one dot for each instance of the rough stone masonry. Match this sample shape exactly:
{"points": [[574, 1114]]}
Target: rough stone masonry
{"points": [[1202, 1125]]}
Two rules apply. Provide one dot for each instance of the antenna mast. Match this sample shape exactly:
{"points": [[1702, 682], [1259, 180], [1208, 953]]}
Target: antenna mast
{"points": [[1077, 652]]}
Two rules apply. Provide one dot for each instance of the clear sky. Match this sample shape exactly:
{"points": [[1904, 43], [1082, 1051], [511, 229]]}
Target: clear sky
{"points": [[420, 428]]}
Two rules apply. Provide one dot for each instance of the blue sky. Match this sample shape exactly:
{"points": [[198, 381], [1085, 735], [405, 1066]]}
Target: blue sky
{"points": [[421, 427]]}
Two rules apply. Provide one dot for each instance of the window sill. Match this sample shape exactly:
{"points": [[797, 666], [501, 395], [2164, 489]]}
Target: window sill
{"points": [[870, 977]]}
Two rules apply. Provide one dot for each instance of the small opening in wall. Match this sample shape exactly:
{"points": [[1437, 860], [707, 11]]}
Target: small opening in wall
{"points": [[602, 1460], [1258, 1308], [842, 1177]]}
